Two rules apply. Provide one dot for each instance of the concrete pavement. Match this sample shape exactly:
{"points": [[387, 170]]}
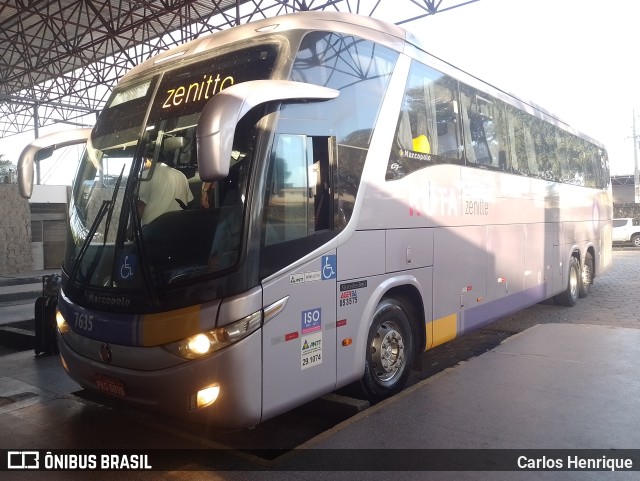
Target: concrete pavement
{"points": [[566, 379], [18, 292]]}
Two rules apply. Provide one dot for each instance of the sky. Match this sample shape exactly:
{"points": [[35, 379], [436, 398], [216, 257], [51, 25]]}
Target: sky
{"points": [[579, 59]]}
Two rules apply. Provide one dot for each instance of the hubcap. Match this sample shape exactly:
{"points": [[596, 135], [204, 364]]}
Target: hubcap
{"points": [[387, 351], [573, 283]]}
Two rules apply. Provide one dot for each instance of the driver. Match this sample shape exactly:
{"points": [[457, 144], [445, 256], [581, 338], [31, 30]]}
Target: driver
{"points": [[163, 192]]}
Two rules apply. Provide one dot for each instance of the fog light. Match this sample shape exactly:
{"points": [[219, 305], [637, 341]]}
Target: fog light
{"points": [[207, 396]]}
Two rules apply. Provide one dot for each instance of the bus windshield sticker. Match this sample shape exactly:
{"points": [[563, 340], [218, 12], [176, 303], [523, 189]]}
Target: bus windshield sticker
{"points": [[127, 267]]}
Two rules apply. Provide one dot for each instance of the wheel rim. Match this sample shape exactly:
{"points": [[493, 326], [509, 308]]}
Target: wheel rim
{"points": [[387, 351], [573, 283]]}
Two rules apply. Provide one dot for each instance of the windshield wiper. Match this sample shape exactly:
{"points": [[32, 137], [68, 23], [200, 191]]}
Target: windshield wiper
{"points": [[85, 245], [105, 208], [113, 203], [137, 239]]}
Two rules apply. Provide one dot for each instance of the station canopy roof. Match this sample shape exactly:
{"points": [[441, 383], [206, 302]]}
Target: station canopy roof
{"points": [[59, 59]]}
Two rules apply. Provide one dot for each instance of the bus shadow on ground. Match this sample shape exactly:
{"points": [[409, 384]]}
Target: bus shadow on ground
{"points": [[275, 437]]}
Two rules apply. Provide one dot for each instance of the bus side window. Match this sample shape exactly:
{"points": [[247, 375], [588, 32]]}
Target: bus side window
{"points": [[485, 129], [427, 128], [520, 143]]}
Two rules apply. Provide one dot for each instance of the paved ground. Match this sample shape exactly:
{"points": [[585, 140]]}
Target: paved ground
{"points": [[614, 300], [568, 379]]}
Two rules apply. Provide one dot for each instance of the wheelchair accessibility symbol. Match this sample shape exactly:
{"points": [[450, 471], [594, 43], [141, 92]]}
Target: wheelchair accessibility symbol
{"points": [[329, 267], [127, 267]]}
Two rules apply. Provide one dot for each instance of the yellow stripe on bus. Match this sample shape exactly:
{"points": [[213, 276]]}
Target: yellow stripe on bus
{"points": [[444, 329], [164, 327]]}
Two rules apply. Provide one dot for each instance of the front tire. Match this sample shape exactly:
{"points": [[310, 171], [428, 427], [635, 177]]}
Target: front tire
{"points": [[389, 351], [570, 296], [635, 240]]}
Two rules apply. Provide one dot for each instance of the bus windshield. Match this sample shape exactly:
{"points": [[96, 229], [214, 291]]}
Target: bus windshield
{"points": [[140, 215]]}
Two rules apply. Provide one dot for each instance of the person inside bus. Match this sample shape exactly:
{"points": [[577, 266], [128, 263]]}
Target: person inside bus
{"points": [[207, 197], [166, 190], [226, 239]]}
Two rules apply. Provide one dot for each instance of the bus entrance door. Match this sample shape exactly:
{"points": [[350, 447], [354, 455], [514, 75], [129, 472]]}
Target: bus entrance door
{"points": [[299, 343]]}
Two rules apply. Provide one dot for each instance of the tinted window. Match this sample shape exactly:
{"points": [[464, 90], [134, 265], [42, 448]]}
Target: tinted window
{"points": [[360, 70], [427, 129], [485, 129]]}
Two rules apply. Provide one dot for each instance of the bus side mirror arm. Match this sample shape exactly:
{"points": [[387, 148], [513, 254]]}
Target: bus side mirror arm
{"points": [[219, 118], [41, 148]]}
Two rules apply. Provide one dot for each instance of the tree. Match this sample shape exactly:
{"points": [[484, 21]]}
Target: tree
{"points": [[7, 170]]}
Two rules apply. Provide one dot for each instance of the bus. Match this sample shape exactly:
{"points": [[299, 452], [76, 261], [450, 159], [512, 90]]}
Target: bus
{"points": [[353, 202]]}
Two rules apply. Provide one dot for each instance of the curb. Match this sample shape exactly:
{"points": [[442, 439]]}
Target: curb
{"points": [[17, 338], [20, 296]]}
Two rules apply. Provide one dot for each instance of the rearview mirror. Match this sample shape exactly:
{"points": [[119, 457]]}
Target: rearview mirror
{"points": [[42, 148], [217, 124], [173, 143]]}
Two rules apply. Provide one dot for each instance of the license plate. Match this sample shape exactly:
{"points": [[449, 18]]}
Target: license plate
{"points": [[110, 385]]}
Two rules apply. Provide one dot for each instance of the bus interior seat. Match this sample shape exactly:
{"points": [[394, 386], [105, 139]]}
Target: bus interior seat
{"points": [[181, 237]]}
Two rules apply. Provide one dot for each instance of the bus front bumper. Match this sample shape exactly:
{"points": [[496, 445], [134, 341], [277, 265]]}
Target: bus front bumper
{"points": [[233, 372]]}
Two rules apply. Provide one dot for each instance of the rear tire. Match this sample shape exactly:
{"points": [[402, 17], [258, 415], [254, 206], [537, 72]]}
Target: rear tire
{"points": [[389, 351], [586, 279], [635, 240], [570, 296]]}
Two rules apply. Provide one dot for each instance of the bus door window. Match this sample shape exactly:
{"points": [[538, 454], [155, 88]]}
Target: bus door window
{"points": [[299, 196], [297, 203], [322, 199]]}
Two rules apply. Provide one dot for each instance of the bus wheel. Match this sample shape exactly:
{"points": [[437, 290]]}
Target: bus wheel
{"points": [[389, 351], [570, 296], [587, 276]]}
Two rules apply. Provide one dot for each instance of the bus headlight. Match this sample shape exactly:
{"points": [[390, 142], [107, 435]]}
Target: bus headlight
{"points": [[63, 327], [207, 342], [199, 344]]}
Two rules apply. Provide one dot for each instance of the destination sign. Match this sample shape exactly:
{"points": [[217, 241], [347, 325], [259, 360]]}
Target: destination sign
{"points": [[187, 89], [197, 91]]}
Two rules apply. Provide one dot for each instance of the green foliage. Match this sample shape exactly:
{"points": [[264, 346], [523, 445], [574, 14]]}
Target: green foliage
{"points": [[6, 169]]}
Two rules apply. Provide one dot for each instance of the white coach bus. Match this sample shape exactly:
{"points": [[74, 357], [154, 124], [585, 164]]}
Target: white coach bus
{"points": [[353, 202]]}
